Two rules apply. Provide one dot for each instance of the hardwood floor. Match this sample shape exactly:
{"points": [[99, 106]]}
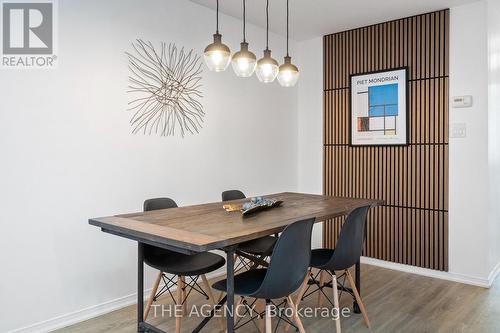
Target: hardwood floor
{"points": [[395, 301]]}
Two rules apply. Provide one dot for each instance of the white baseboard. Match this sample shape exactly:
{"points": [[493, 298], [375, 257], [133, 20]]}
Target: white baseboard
{"points": [[494, 274], [475, 281], [90, 312], [80, 315]]}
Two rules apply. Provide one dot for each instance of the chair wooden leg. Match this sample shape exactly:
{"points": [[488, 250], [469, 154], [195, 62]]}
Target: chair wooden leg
{"points": [[221, 296], [184, 297], [336, 301], [235, 260], [269, 327], [260, 306], [178, 303], [303, 288], [236, 307], [300, 294], [152, 296], [295, 315], [358, 299], [241, 261], [210, 294], [322, 277]]}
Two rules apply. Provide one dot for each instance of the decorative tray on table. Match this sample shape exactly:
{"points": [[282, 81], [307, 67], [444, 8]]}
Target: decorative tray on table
{"points": [[255, 205]]}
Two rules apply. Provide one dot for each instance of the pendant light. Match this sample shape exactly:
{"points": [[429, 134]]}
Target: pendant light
{"points": [[288, 73], [267, 67], [217, 55], [244, 61]]}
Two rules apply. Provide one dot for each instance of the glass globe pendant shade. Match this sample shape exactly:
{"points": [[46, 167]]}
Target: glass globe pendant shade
{"points": [[267, 68], [288, 73], [244, 61], [217, 55]]}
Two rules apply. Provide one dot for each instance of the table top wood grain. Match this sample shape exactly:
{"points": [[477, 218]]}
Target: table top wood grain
{"points": [[208, 227]]}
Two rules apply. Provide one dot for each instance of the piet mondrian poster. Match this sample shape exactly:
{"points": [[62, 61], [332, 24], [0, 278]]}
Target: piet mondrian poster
{"points": [[379, 110]]}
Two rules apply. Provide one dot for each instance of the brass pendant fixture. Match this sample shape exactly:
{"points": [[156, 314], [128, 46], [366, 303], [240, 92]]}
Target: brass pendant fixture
{"points": [[217, 55], [288, 73], [267, 67], [244, 61]]}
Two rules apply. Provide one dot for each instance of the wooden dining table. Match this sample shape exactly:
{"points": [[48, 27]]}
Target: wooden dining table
{"points": [[207, 227]]}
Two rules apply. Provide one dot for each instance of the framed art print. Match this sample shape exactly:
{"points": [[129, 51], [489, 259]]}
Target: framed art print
{"points": [[379, 108]]}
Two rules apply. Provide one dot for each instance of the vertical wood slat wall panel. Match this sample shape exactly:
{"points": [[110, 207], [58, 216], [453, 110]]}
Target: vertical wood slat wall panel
{"points": [[412, 227]]}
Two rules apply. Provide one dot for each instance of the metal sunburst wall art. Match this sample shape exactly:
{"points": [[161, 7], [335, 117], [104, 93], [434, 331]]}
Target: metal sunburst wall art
{"points": [[166, 86]]}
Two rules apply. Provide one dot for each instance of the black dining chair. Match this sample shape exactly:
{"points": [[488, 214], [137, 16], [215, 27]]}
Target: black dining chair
{"points": [[287, 271], [181, 266], [345, 255], [260, 247]]}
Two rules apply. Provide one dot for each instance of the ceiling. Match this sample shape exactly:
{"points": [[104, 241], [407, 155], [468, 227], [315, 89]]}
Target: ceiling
{"points": [[314, 18]]}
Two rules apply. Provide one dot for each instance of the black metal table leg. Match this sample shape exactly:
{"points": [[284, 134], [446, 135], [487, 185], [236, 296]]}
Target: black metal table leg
{"points": [[358, 286], [142, 326], [140, 287], [230, 290]]}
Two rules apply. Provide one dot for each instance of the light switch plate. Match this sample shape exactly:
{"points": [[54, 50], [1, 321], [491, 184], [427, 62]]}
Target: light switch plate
{"points": [[458, 130], [462, 102]]}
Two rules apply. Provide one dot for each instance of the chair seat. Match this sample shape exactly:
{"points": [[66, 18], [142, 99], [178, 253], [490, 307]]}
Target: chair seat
{"points": [[181, 264], [320, 257], [246, 283], [259, 246]]}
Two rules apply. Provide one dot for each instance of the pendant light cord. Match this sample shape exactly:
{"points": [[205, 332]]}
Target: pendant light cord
{"points": [[244, 21], [217, 18], [287, 15], [267, 25]]}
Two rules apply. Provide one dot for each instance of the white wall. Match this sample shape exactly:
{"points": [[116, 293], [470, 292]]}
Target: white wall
{"points": [[474, 161], [494, 126], [474, 200], [468, 157], [310, 121], [68, 155]]}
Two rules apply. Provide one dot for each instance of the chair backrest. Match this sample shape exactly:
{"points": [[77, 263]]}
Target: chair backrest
{"points": [[289, 262], [150, 251], [232, 195], [159, 203], [350, 242]]}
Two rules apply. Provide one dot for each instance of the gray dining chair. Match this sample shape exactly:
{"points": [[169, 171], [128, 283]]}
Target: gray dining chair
{"points": [[287, 272], [345, 255], [179, 265]]}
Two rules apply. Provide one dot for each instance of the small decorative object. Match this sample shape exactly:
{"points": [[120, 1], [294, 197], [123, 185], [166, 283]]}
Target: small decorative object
{"points": [[167, 85], [232, 207], [256, 204], [379, 109]]}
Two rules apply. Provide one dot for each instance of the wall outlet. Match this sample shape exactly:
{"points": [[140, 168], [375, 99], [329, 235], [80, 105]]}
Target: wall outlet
{"points": [[458, 130]]}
